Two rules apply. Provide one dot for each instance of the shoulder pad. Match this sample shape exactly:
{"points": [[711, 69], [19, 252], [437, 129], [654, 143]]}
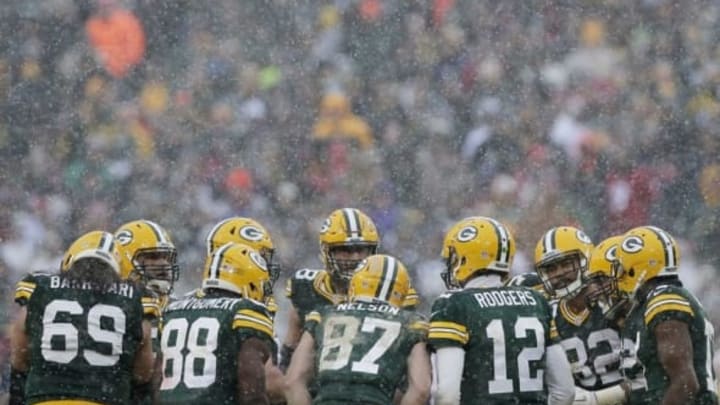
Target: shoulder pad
{"points": [[668, 301], [253, 315], [41, 273], [25, 288], [301, 283], [306, 274]]}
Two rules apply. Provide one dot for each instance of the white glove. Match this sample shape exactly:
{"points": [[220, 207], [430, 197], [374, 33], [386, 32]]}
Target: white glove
{"points": [[584, 397], [613, 395]]}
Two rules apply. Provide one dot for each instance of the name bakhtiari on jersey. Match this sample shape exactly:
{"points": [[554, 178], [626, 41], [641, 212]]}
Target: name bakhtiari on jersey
{"points": [[592, 346], [82, 337], [641, 362], [200, 340], [362, 351], [504, 332]]}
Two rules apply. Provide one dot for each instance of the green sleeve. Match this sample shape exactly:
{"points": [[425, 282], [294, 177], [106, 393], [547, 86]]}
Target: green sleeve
{"points": [[448, 326], [254, 320], [24, 289]]}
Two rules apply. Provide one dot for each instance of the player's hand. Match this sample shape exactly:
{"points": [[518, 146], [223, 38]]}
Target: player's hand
{"points": [[584, 397]]}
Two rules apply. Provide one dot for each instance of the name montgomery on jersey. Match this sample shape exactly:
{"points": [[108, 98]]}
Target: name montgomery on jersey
{"points": [[504, 298], [124, 289], [201, 304]]}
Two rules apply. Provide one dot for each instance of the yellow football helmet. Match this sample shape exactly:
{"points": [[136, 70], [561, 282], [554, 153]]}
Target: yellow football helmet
{"points": [[141, 241], [474, 245], [600, 282], [643, 254], [559, 246], [96, 244], [347, 229], [239, 269], [246, 231], [380, 278]]}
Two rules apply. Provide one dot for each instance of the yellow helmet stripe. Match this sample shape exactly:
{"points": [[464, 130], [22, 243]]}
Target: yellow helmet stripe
{"points": [[549, 241], [217, 261], [211, 235], [352, 219], [389, 274], [157, 231], [503, 254], [668, 246]]}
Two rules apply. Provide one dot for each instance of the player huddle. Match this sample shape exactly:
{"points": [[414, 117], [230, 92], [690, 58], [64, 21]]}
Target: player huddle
{"points": [[605, 324]]}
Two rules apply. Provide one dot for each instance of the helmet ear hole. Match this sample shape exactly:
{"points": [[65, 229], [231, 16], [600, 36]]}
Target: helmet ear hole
{"points": [[631, 272]]}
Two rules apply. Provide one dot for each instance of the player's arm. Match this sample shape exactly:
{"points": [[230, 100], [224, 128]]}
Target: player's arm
{"points": [[300, 372], [292, 337], [253, 355], [19, 358], [558, 377], [419, 376], [612, 395], [143, 365], [274, 380], [675, 352], [450, 365]]}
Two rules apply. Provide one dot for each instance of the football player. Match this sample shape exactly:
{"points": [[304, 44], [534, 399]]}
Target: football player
{"points": [[590, 340], [346, 238], [666, 334], [251, 233], [148, 257], [214, 347], [248, 232], [362, 349], [80, 336], [602, 285], [493, 342]]}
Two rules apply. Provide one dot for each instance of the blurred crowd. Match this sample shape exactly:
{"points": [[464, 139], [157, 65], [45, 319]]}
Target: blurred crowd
{"points": [[598, 114]]}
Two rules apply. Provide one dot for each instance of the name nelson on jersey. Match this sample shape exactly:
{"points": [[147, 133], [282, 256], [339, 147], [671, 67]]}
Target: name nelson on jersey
{"points": [[491, 299], [124, 289], [369, 307]]}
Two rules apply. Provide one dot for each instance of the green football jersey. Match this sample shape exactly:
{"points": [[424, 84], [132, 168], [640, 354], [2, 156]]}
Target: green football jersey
{"points": [[641, 362], [592, 345], [82, 338], [310, 290], [200, 340], [153, 306], [362, 350], [504, 332]]}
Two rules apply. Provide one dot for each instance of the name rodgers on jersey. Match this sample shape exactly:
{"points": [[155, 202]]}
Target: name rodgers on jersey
{"points": [[492, 299]]}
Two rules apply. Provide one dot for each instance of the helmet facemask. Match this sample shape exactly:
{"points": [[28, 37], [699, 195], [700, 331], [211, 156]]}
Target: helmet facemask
{"points": [[562, 275], [273, 269], [161, 273], [452, 263], [602, 291], [351, 255]]}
